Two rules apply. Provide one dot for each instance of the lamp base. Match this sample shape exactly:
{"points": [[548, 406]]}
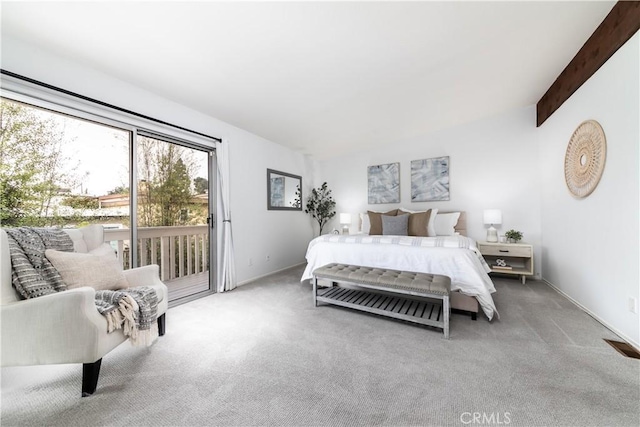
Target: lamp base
{"points": [[345, 229], [492, 235]]}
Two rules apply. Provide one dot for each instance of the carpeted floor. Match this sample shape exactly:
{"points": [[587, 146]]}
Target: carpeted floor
{"points": [[263, 355]]}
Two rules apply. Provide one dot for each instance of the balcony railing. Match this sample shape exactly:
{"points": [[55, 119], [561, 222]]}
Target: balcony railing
{"points": [[181, 252]]}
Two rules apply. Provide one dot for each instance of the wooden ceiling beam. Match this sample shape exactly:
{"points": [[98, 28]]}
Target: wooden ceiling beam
{"points": [[617, 28]]}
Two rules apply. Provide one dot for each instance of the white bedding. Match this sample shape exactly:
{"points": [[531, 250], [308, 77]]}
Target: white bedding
{"points": [[453, 256]]}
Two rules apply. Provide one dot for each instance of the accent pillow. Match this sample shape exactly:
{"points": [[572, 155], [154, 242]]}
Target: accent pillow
{"points": [[395, 225], [445, 224], [100, 272], [431, 228], [418, 223], [375, 218]]}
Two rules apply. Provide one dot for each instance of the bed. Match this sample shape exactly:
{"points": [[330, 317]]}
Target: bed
{"points": [[455, 256]]}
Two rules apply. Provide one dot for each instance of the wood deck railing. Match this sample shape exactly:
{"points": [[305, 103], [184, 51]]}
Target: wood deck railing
{"points": [[180, 252]]}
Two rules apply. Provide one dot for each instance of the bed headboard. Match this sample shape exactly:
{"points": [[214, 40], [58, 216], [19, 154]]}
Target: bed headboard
{"points": [[461, 226]]}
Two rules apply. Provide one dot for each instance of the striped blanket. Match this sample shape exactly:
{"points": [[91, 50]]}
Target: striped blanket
{"points": [[452, 242], [134, 310], [31, 272]]}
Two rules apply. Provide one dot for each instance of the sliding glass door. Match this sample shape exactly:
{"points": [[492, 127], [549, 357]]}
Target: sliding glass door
{"points": [[174, 206], [71, 171]]}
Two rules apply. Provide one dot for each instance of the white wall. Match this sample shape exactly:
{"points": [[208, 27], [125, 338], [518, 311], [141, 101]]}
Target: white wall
{"points": [[590, 246], [257, 232], [493, 164]]}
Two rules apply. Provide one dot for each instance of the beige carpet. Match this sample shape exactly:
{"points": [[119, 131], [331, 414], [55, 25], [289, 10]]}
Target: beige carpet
{"points": [[263, 355]]}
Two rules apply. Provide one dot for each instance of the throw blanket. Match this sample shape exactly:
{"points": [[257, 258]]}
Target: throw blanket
{"points": [[134, 310], [31, 272]]}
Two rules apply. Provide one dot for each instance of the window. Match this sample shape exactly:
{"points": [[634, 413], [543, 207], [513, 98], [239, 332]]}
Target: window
{"points": [[58, 170], [68, 163]]}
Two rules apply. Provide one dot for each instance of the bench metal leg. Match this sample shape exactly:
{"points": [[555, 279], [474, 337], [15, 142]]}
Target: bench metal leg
{"points": [[445, 312], [315, 291]]}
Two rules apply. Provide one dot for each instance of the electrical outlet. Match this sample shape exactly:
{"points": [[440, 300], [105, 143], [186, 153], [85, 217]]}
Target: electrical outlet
{"points": [[267, 258], [250, 262], [633, 305]]}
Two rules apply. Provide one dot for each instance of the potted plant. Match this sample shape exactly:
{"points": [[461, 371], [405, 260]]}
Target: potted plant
{"points": [[320, 205], [513, 236]]}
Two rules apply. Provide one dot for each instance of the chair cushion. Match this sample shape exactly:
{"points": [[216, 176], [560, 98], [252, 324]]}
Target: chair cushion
{"points": [[86, 238], [79, 245]]}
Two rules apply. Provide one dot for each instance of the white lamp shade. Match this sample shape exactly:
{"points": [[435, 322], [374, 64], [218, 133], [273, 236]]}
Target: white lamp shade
{"points": [[493, 216], [345, 218]]}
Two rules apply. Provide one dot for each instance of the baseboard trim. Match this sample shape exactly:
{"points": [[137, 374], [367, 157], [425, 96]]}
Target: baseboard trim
{"points": [[595, 316], [253, 279]]}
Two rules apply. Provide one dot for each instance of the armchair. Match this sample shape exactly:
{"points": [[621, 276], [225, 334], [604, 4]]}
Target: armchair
{"points": [[65, 327]]}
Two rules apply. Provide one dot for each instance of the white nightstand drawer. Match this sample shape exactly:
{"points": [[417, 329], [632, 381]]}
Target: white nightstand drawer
{"points": [[505, 250]]}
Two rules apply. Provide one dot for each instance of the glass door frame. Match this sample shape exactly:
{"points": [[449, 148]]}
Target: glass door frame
{"points": [[57, 100], [212, 206]]}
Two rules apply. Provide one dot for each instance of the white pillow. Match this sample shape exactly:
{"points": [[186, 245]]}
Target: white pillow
{"points": [[445, 223], [101, 272], [366, 223], [431, 227]]}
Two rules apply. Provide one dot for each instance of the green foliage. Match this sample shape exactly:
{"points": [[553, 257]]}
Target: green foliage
{"points": [[173, 192], [12, 202], [514, 235], [32, 167], [164, 194], [81, 202], [120, 189], [321, 206], [200, 185], [297, 201]]}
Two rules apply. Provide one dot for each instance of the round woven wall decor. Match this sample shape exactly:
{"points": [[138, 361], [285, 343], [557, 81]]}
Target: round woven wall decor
{"points": [[584, 161]]}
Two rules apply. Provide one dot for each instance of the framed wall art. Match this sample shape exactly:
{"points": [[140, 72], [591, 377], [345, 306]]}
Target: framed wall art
{"points": [[384, 183], [430, 179]]}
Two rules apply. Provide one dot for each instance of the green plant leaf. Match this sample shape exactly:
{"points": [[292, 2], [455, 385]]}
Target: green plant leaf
{"points": [[320, 205]]}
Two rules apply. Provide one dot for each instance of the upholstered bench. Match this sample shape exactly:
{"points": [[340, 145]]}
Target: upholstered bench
{"points": [[394, 285]]}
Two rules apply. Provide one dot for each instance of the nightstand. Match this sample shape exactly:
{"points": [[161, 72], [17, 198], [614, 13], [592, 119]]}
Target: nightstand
{"points": [[518, 257]]}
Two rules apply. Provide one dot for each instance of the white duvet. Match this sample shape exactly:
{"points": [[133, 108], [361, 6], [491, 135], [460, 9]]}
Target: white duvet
{"points": [[453, 256]]}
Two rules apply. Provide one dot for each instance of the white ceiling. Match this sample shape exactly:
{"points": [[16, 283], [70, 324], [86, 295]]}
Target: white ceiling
{"points": [[322, 78]]}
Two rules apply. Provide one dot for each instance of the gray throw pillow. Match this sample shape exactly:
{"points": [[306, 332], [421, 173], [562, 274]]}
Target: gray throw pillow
{"points": [[375, 221], [395, 225]]}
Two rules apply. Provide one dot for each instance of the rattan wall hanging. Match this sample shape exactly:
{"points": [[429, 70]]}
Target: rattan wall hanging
{"points": [[584, 161]]}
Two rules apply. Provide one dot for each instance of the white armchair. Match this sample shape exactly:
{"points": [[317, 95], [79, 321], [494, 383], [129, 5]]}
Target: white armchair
{"points": [[65, 327]]}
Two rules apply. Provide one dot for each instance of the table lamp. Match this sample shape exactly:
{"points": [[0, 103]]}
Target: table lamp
{"points": [[345, 220], [492, 217]]}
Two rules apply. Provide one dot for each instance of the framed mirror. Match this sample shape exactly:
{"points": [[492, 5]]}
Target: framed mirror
{"points": [[284, 191]]}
